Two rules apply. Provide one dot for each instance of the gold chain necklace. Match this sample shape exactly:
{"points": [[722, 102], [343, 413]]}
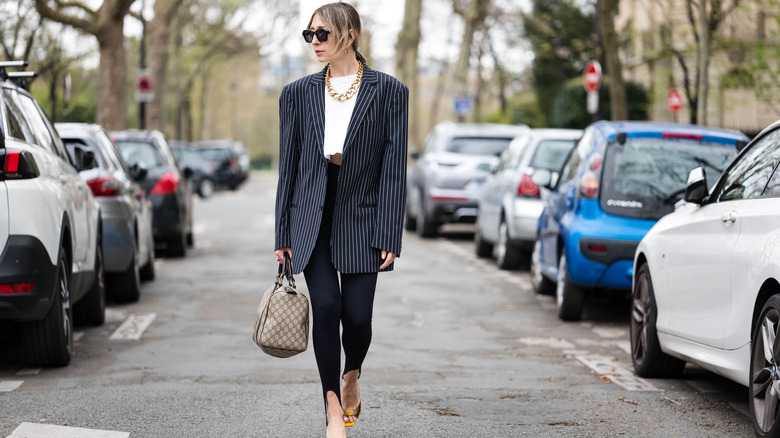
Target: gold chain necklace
{"points": [[352, 88]]}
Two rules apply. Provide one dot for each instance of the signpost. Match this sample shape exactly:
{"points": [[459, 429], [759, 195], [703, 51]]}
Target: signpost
{"points": [[462, 106], [591, 79], [143, 88], [675, 102]]}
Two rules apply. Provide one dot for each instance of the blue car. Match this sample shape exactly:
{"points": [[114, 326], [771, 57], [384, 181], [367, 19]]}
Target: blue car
{"points": [[618, 181]]}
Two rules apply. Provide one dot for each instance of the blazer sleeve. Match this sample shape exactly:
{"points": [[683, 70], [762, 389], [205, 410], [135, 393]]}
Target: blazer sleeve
{"points": [[289, 154], [392, 183]]}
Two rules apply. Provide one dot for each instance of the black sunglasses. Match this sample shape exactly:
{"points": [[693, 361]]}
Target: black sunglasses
{"points": [[322, 35]]}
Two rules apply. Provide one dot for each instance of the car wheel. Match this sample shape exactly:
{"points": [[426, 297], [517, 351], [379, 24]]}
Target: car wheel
{"points": [[190, 240], [646, 354], [49, 342], [541, 284], [125, 287], [410, 219], [426, 227], [482, 247], [508, 256], [177, 247], [765, 382], [148, 270], [569, 299], [91, 310], [206, 188]]}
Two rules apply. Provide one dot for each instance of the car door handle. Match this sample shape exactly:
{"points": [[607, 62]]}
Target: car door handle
{"points": [[729, 217]]}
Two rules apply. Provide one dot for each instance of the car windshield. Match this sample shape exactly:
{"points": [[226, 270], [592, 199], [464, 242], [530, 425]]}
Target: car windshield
{"points": [[136, 152], [214, 154], [478, 145], [645, 177], [551, 154]]}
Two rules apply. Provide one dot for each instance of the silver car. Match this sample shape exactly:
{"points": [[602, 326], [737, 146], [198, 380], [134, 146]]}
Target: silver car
{"points": [[125, 210], [444, 181], [509, 206]]}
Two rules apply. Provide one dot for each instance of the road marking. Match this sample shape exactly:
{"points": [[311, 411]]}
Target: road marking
{"points": [[34, 430], [28, 372], [548, 342], [199, 228], [113, 315], [10, 385], [610, 332], [134, 326], [611, 371], [77, 336]]}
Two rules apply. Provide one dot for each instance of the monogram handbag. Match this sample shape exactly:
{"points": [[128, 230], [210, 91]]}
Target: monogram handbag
{"points": [[282, 324]]}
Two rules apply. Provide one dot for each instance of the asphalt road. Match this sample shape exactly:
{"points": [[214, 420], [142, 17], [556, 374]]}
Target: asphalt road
{"points": [[460, 350]]}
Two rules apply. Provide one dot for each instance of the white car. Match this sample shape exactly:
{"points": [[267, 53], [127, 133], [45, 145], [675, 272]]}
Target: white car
{"points": [[49, 232], [706, 286]]}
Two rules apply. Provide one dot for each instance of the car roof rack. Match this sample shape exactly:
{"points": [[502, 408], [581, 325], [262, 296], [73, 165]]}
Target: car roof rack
{"points": [[19, 78]]}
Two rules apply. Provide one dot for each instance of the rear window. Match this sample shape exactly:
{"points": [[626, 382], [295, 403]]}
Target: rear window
{"points": [[136, 152], [551, 154], [478, 145], [215, 154], [645, 177]]}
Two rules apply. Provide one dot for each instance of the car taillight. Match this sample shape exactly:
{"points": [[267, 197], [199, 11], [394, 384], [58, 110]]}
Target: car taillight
{"points": [[527, 187], [17, 288], [589, 186], [104, 186], [683, 136], [18, 165], [166, 185]]}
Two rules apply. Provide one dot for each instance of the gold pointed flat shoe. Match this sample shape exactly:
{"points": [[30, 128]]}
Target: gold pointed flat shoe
{"points": [[351, 413]]}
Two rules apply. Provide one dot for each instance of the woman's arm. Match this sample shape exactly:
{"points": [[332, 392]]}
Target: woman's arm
{"points": [[289, 154]]}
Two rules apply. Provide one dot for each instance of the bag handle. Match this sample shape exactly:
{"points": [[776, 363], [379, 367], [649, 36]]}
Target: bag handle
{"points": [[285, 270]]}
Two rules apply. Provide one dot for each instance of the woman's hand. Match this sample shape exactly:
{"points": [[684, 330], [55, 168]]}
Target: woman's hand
{"points": [[280, 253], [388, 257]]}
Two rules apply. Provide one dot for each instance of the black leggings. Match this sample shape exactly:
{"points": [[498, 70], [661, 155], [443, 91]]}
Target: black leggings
{"points": [[350, 304]]}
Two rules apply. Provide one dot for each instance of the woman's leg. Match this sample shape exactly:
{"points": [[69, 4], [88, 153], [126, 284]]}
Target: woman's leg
{"points": [[357, 304]]}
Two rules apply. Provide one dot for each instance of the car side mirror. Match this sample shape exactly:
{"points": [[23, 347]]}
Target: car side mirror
{"points": [[188, 172], [542, 178], [696, 189], [84, 159], [138, 171], [414, 153]]}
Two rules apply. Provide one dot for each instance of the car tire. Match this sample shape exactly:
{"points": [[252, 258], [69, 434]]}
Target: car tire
{"points": [[570, 299], [177, 247], [206, 188], [91, 309], [49, 342], [508, 256], [190, 240], [125, 287], [148, 272], [646, 354], [482, 247], [764, 399], [426, 227], [410, 219], [541, 284]]}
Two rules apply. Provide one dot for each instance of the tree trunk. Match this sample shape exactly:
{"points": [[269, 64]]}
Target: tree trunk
{"points": [[704, 64], [609, 38], [159, 36], [53, 97], [406, 50], [112, 76], [473, 17]]}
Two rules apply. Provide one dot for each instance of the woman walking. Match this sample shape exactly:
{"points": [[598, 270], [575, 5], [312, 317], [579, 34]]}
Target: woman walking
{"points": [[340, 197]]}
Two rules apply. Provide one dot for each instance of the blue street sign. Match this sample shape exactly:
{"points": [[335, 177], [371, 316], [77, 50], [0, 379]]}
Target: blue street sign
{"points": [[462, 105]]}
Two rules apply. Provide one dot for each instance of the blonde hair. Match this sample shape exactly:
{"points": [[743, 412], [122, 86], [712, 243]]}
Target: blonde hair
{"points": [[340, 18]]}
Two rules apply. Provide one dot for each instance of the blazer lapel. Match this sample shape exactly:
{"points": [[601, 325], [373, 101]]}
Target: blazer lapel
{"points": [[315, 96], [365, 96]]}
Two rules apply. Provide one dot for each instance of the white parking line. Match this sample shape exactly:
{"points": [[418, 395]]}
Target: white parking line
{"points": [[612, 371], [113, 315], [34, 430], [134, 326], [10, 385], [77, 336], [28, 372]]}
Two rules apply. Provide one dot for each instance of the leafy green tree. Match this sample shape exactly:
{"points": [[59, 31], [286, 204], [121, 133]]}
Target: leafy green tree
{"points": [[561, 37], [569, 106]]}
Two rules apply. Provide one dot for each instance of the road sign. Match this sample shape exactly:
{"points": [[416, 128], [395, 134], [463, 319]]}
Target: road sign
{"points": [[143, 88], [462, 105], [674, 100], [591, 77], [592, 102]]}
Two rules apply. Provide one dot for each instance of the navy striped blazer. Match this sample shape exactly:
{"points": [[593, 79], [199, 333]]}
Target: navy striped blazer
{"points": [[370, 201]]}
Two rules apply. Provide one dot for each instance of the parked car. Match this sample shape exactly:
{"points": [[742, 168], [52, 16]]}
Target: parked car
{"points": [[167, 187], [125, 210], [204, 178], [509, 205], [226, 160], [619, 180], [51, 263], [444, 182], [706, 283]]}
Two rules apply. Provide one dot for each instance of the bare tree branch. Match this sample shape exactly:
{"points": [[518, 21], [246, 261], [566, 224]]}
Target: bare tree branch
{"points": [[46, 11]]}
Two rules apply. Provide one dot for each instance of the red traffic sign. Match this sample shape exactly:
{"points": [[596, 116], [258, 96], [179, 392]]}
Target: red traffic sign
{"points": [[144, 84], [591, 77], [674, 101]]}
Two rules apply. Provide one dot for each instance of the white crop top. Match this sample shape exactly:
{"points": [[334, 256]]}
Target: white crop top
{"points": [[338, 115]]}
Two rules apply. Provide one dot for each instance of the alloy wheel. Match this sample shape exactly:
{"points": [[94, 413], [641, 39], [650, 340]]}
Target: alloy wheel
{"points": [[502, 243], [66, 312], [560, 287], [536, 265], [640, 318], [765, 380]]}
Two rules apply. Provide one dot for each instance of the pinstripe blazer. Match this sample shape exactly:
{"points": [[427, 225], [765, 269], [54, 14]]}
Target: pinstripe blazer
{"points": [[370, 200]]}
